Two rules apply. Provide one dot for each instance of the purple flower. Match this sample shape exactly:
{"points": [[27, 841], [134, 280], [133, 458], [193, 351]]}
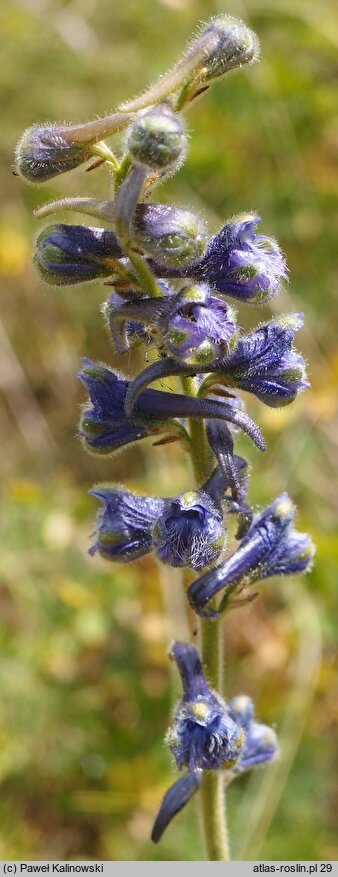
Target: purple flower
{"points": [[260, 744], [243, 264], [270, 547], [124, 524], [237, 262], [205, 733], [106, 426], [189, 531], [68, 254], [199, 325], [266, 364]]}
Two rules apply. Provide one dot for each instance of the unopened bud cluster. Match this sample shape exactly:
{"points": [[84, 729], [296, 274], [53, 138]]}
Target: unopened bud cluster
{"points": [[170, 281]]}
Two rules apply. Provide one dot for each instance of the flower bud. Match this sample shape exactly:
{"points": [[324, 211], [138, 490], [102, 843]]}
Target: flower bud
{"points": [[174, 237], [68, 254], [45, 152], [157, 138], [233, 45]]}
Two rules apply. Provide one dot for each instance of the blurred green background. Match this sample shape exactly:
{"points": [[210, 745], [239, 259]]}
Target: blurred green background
{"points": [[84, 682]]}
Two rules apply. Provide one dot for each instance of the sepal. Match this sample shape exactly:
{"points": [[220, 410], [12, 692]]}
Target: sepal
{"points": [[174, 800]]}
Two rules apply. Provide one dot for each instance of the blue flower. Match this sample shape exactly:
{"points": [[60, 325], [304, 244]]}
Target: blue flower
{"points": [[237, 262], [243, 264], [265, 363], [189, 531], [270, 547], [124, 524], [106, 425], [260, 744], [205, 733], [199, 325], [67, 254]]}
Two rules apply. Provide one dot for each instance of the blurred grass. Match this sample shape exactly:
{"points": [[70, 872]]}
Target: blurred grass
{"points": [[84, 681]]}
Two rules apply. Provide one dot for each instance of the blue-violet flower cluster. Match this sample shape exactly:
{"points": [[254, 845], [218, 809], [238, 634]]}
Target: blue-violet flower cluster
{"points": [[169, 283]]}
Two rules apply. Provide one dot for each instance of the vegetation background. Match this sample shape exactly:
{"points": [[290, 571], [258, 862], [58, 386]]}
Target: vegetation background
{"points": [[84, 680]]}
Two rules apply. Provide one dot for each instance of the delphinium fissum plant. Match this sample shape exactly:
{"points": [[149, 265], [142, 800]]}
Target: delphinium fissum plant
{"points": [[170, 283]]}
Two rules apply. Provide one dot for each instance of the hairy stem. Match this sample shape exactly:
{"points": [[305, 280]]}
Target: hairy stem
{"points": [[213, 815]]}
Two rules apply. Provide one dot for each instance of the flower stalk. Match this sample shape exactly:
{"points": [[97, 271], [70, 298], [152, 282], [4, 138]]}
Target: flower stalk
{"points": [[169, 282]]}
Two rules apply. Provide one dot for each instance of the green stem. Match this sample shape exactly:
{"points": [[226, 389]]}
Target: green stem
{"points": [[213, 815], [144, 275]]}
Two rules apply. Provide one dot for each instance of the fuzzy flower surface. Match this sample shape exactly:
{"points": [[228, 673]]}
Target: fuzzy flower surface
{"points": [[270, 547], [189, 532], [204, 734], [199, 326], [266, 364], [123, 525], [260, 744], [238, 262], [241, 263], [68, 254], [106, 425], [45, 152]]}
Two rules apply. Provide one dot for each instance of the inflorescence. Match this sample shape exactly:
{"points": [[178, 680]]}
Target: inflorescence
{"points": [[170, 282]]}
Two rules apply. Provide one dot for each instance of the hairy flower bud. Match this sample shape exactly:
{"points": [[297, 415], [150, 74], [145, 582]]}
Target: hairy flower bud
{"points": [[157, 138], [45, 152], [173, 236], [205, 733], [67, 254], [199, 326], [229, 43], [189, 532]]}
